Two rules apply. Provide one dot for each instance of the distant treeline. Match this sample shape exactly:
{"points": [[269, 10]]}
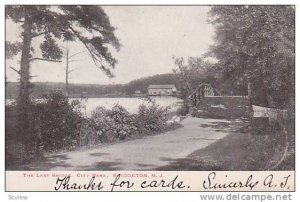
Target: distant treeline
{"points": [[94, 90]]}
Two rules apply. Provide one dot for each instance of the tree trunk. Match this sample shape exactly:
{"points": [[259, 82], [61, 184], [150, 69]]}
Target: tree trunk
{"points": [[249, 95], [67, 73], [23, 102]]}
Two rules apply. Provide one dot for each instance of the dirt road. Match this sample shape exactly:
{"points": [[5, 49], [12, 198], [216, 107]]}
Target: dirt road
{"points": [[146, 153]]}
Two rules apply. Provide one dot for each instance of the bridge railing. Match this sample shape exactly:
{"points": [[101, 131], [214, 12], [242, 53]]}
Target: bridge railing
{"points": [[197, 96]]}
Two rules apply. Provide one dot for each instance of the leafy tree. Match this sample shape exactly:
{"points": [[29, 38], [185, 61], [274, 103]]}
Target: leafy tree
{"points": [[255, 44], [193, 72], [88, 24]]}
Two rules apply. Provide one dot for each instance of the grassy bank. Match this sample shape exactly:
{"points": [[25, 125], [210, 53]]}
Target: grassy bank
{"points": [[223, 107], [236, 152]]}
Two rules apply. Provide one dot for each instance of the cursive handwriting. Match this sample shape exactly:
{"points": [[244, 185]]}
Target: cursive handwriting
{"points": [[64, 184], [120, 183], [117, 184], [213, 181], [211, 184], [173, 184]]}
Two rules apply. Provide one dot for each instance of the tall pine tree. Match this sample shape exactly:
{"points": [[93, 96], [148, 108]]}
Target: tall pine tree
{"points": [[58, 23]]}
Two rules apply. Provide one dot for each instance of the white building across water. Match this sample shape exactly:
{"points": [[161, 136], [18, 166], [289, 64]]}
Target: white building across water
{"points": [[168, 89]]}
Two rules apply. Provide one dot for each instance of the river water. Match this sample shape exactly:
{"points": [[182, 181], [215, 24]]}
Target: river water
{"points": [[130, 103]]}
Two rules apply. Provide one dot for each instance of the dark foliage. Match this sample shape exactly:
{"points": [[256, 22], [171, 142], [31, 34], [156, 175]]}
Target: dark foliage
{"points": [[114, 124], [151, 118], [255, 44], [118, 124], [53, 125], [192, 72], [56, 122]]}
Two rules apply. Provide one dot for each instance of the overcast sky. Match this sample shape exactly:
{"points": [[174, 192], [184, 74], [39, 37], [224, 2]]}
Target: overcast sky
{"points": [[150, 36]]}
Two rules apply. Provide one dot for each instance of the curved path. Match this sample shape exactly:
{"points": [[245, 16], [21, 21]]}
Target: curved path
{"points": [[147, 153]]}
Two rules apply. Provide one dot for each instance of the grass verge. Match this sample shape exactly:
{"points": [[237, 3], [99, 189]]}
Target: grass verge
{"points": [[239, 151]]}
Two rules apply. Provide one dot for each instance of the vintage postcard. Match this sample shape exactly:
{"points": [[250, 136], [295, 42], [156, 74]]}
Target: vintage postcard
{"points": [[150, 98]]}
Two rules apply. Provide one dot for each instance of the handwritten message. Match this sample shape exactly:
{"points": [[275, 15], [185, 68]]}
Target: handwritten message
{"points": [[150, 181]]}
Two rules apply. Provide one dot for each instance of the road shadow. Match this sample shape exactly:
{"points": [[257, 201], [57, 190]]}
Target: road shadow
{"points": [[100, 166], [47, 163], [228, 126], [189, 164], [98, 154]]}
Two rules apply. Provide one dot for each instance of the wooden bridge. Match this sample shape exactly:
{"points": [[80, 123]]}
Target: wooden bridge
{"points": [[197, 96], [196, 100]]}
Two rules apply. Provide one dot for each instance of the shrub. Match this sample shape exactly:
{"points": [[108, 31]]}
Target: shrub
{"points": [[151, 118], [119, 124], [54, 125], [56, 122], [88, 134], [113, 124], [183, 110]]}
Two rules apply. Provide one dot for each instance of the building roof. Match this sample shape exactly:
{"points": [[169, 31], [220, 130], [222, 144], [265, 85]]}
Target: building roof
{"points": [[167, 86]]}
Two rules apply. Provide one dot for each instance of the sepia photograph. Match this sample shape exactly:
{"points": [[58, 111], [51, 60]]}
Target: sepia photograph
{"points": [[149, 88]]}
